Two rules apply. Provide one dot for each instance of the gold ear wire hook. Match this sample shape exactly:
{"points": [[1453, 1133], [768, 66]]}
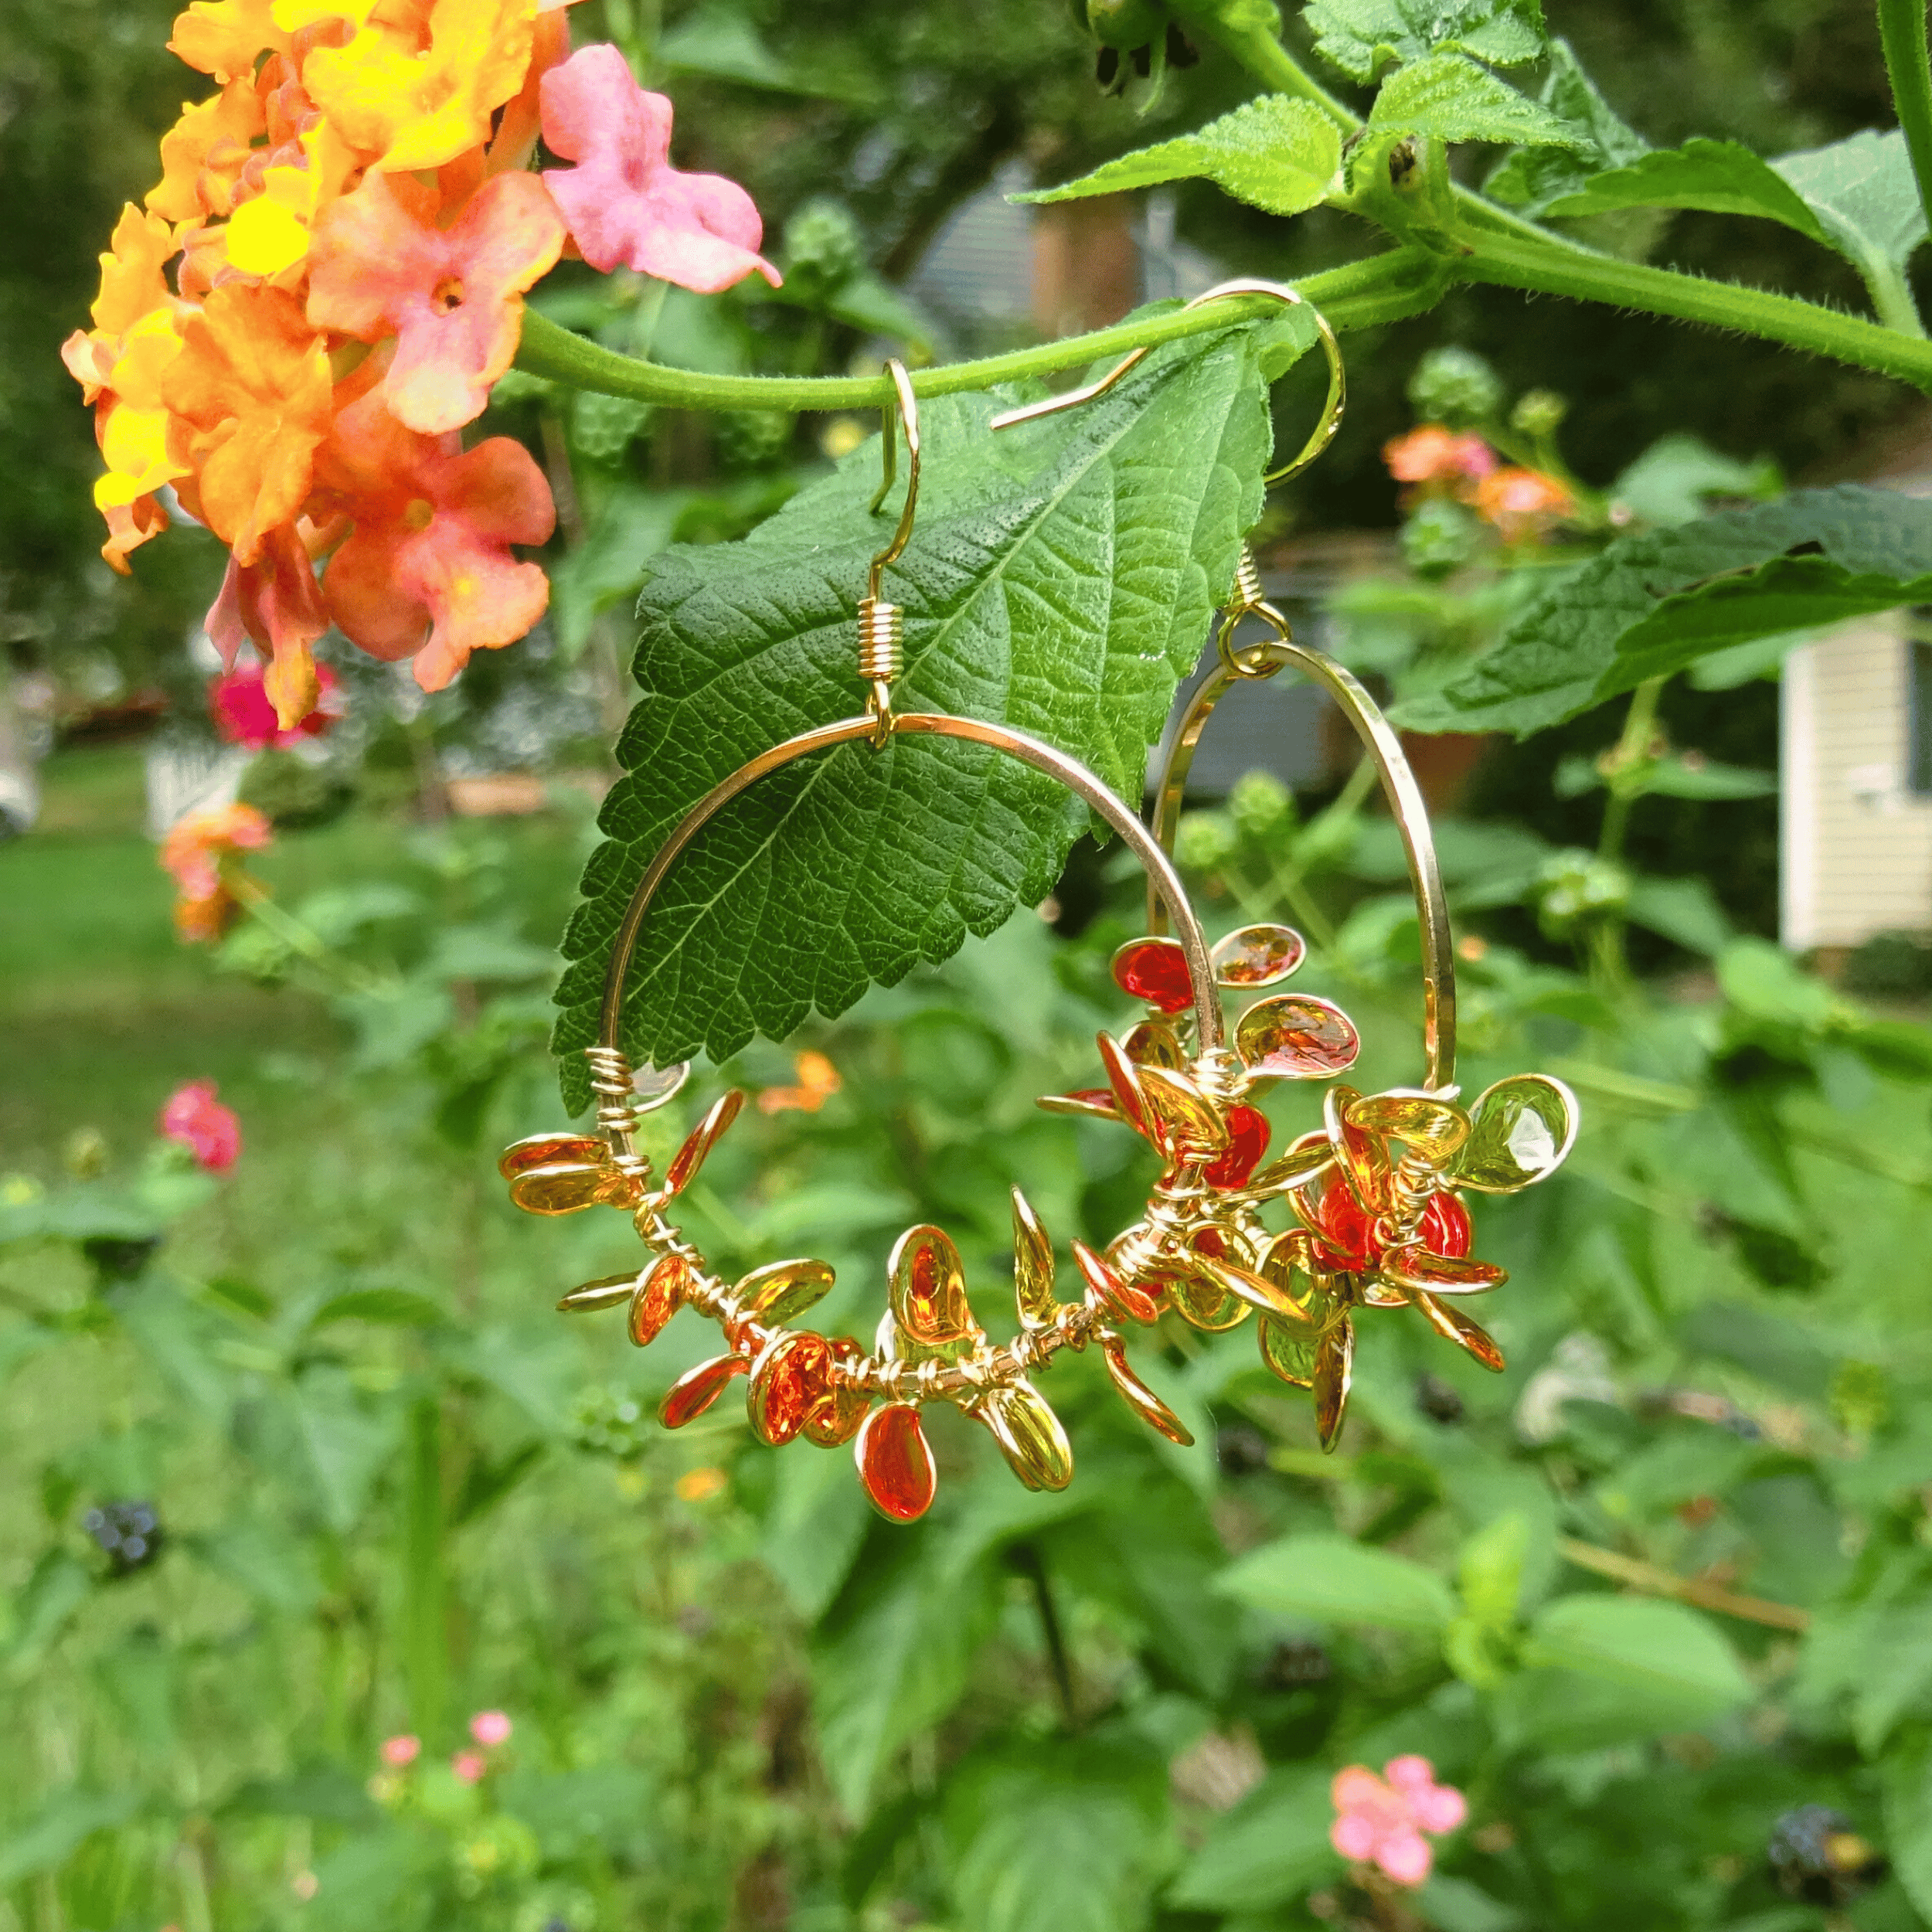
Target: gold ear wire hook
{"points": [[882, 626]]}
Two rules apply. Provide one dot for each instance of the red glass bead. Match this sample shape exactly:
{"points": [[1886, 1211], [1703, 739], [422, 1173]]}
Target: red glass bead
{"points": [[1444, 1228], [697, 1388], [1342, 1221], [791, 1379], [658, 1297], [895, 1462], [1247, 1142], [1155, 970]]}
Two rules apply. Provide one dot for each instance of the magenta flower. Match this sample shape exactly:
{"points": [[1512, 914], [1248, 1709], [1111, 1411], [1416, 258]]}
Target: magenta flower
{"points": [[490, 1728], [468, 1765], [624, 202], [199, 1122], [400, 1750], [244, 714], [1381, 1821]]}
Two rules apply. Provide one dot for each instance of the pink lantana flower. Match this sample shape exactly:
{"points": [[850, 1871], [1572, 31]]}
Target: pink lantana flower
{"points": [[469, 1766], [1433, 454], [1381, 1821], [490, 1729], [402, 1750], [624, 201], [452, 297], [276, 604], [427, 573], [1521, 502], [195, 1120], [244, 715]]}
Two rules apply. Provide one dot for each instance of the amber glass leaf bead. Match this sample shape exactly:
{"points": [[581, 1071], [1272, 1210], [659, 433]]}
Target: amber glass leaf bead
{"points": [[1288, 1352], [1434, 1128], [1032, 1267], [1154, 1044], [1412, 1266], [1124, 1077], [568, 1187], [605, 1292], [660, 1293], [1088, 1103], [836, 1419], [1296, 1263], [1305, 1158], [1198, 1298], [780, 1291], [1449, 1321], [1121, 1298], [895, 1462], [1258, 956], [697, 1388], [1187, 1121], [1334, 1370], [551, 1150], [789, 1380], [1364, 1156], [1030, 1435], [1261, 1294], [702, 1139], [1139, 1397], [1295, 1036], [1155, 970], [1522, 1130], [928, 1287], [1248, 1131]]}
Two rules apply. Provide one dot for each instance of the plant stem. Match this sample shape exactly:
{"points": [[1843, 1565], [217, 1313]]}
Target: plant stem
{"points": [[1026, 1559], [1656, 1582], [1902, 31], [1640, 723], [1380, 288], [1264, 56]]}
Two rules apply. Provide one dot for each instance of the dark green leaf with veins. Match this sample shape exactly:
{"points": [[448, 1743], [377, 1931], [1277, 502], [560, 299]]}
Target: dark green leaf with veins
{"points": [[1449, 97], [1274, 153], [1863, 197], [1652, 603], [1362, 37], [1531, 178], [1061, 580], [1721, 177]]}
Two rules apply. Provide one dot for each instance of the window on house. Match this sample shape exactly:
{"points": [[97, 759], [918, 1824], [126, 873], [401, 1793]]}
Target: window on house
{"points": [[1919, 677]]}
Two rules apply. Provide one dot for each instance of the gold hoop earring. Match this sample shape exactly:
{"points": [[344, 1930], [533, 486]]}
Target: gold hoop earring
{"points": [[1377, 1189], [931, 1348]]}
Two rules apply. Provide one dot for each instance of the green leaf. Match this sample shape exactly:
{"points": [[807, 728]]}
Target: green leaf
{"points": [[1449, 97], [1685, 911], [1274, 153], [1362, 37], [1490, 1570], [1908, 1821], [818, 1520], [265, 1560], [1060, 580], [1720, 177], [1531, 178], [58, 1829], [1339, 1582], [1652, 603], [1762, 980], [1670, 481], [1271, 1848], [1056, 1837], [627, 524], [1864, 198], [1454, 1905], [721, 41], [1637, 1642], [391, 1307], [46, 1604]]}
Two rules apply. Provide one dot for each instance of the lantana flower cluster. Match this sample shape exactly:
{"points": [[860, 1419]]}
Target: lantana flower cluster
{"points": [[294, 329], [1521, 502], [1380, 1822]]}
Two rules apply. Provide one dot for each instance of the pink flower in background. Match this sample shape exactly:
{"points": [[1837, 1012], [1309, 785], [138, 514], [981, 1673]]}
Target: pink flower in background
{"points": [[210, 1131], [1381, 1821], [1522, 503], [468, 1765], [490, 1728], [1433, 454], [245, 716], [403, 1748], [625, 203]]}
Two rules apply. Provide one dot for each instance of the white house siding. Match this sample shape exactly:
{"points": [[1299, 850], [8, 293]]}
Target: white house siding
{"points": [[1857, 842]]}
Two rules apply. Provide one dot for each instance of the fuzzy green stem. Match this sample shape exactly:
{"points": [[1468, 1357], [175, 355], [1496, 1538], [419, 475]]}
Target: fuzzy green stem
{"points": [[1381, 288], [1264, 56], [1902, 31]]}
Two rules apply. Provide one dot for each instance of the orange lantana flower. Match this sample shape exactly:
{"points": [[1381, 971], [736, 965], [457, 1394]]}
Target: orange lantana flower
{"points": [[225, 37], [202, 852], [201, 155], [252, 385], [1433, 454], [818, 1081], [1521, 502]]}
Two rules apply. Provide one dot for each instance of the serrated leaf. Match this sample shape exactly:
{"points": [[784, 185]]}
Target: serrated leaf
{"points": [[1720, 177], [1060, 580], [1339, 1582], [1274, 153], [1865, 198], [1362, 37], [1450, 98], [1652, 603], [1531, 178]]}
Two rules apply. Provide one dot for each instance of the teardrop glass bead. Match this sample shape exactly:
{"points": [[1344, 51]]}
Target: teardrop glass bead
{"points": [[1521, 1129], [789, 1379], [697, 1388], [781, 1291], [702, 1139], [836, 1419], [548, 1150], [1295, 1036], [895, 1462], [1032, 1266], [1155, 970], [928, 1287], [1142, 1399], [1028, 1434], [1118, 1296], [1247, 1142], [1258, 956], [659, 1294]]}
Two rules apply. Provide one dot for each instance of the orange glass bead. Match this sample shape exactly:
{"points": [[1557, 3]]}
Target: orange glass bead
{"points": [[1247, 1142], [1142, 1399], [658, 1296], [1295, 1036], [1119, 1297], [928, 1288], [1155, 970], [697, 1388], [1258, 955], [546, 1150], [789, 1379], [895, 1462], [836, 1419], [702, 1139]]}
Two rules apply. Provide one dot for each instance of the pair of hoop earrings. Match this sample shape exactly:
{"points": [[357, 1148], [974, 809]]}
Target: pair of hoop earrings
{"points": [[1376, 1191]]}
